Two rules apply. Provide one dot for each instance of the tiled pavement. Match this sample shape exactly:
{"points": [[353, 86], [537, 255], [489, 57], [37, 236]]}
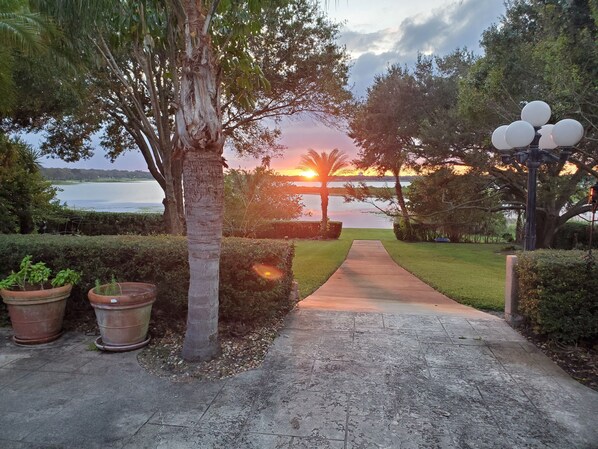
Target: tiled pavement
{"points": [[385, 373]]}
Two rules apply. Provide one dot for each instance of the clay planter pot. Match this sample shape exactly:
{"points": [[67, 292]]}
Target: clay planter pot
{"points": [[36, 315], [123, 318]]}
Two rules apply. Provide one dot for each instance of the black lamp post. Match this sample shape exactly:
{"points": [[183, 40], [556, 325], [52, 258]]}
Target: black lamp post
{"points": [[530, 141], [593, 200]]}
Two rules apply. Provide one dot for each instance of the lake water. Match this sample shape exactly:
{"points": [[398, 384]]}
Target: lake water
{"points": [[146, 196]]}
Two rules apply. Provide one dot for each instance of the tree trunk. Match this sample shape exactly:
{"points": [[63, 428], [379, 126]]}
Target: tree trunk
{"points": [[324, 199], [401, 198], [199, 126], [204, 197], [174, 224], [546, 226]]}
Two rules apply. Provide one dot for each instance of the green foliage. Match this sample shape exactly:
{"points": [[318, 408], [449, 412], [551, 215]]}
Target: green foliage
{"points": [[257, 278], [36, 275], [254, 198], [94, 175], [575, 235], [162, 260], [25, 196], [454, 206], [110, 289], [300, 230], [558, 294], [68, 221]]}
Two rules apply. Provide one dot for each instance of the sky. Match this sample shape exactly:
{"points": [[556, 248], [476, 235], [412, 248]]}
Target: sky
{"points": [[376, 34]]}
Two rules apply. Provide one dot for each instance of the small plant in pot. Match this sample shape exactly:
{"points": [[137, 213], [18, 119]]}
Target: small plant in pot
{"points": [[123, 311], [36, 302]]}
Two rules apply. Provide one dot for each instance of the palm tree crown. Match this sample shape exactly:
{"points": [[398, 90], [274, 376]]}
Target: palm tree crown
{"points": [[324, 164]]}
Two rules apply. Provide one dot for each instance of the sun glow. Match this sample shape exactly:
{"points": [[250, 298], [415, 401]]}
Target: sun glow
{"points": [[309, 174]]}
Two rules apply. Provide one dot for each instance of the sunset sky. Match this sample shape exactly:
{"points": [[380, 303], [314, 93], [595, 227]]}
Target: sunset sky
{"points": [[376, 33]]}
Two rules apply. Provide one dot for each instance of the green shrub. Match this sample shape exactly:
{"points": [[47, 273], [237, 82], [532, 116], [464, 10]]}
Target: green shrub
{"points": [[81, 222], [415, 232], [573, 235], [300, 230], [162, 260], [558, 294]]}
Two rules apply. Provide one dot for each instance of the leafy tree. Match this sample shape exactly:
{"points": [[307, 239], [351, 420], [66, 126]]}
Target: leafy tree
{"points": [[457, 205], [209, 60], [253, 199], [25, 196], [385, 128], [325, 165], [541, 50], [296, 68]]}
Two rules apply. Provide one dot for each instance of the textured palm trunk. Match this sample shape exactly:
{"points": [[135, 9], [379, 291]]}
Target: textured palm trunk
{"points": [[324, 199], [172, 219], [204, 190], [199, 125]]}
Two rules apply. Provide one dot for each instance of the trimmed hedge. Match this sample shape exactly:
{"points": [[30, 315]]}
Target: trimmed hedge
{"points": [[558, 294], [574, 235], [300, 230], [105, 223], [162, 260]]}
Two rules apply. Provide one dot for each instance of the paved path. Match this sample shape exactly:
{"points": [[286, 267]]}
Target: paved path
{"points": [[374, 359]]}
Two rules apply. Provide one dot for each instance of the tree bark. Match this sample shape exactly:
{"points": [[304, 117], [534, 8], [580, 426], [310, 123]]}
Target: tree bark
{"points": [[204, 195], [324, 200], [199, 127]]}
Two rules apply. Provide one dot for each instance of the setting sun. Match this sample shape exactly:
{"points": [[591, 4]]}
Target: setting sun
{"points": [[309, 174]]}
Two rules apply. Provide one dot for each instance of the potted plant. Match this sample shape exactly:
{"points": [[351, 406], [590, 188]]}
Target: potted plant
{"points": [[123, 311], [35, 303]]}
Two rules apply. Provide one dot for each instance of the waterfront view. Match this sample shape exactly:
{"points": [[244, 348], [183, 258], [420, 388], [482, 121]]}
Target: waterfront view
{"points": [[146, 196]]}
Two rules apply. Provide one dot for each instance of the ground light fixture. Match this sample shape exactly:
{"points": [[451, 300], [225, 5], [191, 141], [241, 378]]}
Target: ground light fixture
{"points": [[532, 141]]}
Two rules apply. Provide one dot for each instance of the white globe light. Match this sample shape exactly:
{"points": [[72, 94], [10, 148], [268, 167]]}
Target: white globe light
{"points": [[546, 141], [498, 138], [520, 134], [536, 112], [567, 132]]}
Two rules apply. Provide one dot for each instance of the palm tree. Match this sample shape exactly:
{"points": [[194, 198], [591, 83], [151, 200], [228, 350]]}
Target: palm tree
{"points": [[325, 166], [20, 31]]}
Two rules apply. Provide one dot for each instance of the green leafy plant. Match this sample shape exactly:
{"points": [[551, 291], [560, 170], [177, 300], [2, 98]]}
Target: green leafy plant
{"points": [[37, 276], [110, 289]]}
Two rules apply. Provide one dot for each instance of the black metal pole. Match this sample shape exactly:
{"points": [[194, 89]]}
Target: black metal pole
{"points": [[533, 163]]}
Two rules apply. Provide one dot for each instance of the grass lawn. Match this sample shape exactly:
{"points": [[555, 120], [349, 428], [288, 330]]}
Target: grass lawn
{"points": [[472, 274]]}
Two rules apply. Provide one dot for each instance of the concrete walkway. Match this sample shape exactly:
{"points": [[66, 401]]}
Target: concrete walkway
{"points": [[373, 359]]}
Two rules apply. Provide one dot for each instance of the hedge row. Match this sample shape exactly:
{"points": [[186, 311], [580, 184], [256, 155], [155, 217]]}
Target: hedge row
{"points": [[162, 260], [70, 221], [118, 223], [300, 230], [558, 294]]}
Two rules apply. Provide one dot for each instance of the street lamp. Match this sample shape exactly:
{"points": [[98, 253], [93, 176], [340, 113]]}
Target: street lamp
{"points": [[530, 141]]}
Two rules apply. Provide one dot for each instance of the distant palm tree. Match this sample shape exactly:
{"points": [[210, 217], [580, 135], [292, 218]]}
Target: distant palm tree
{"points": [[325, 165]]}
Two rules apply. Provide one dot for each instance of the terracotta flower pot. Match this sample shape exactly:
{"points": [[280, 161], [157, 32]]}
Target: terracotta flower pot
{"points": [[123, 318], [36, 315]]}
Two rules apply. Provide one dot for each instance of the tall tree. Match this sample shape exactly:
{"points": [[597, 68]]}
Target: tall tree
{"points": [[385, 127], [296, 68], [541, 50], [325, 165], [211, 60]]}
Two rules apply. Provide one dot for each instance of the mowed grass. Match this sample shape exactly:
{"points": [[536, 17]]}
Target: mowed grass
{"points": [[469, 273], [472, 274]]}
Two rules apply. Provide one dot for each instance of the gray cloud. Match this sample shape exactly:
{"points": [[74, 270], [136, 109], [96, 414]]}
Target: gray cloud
{"points": [[456, 25]]}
